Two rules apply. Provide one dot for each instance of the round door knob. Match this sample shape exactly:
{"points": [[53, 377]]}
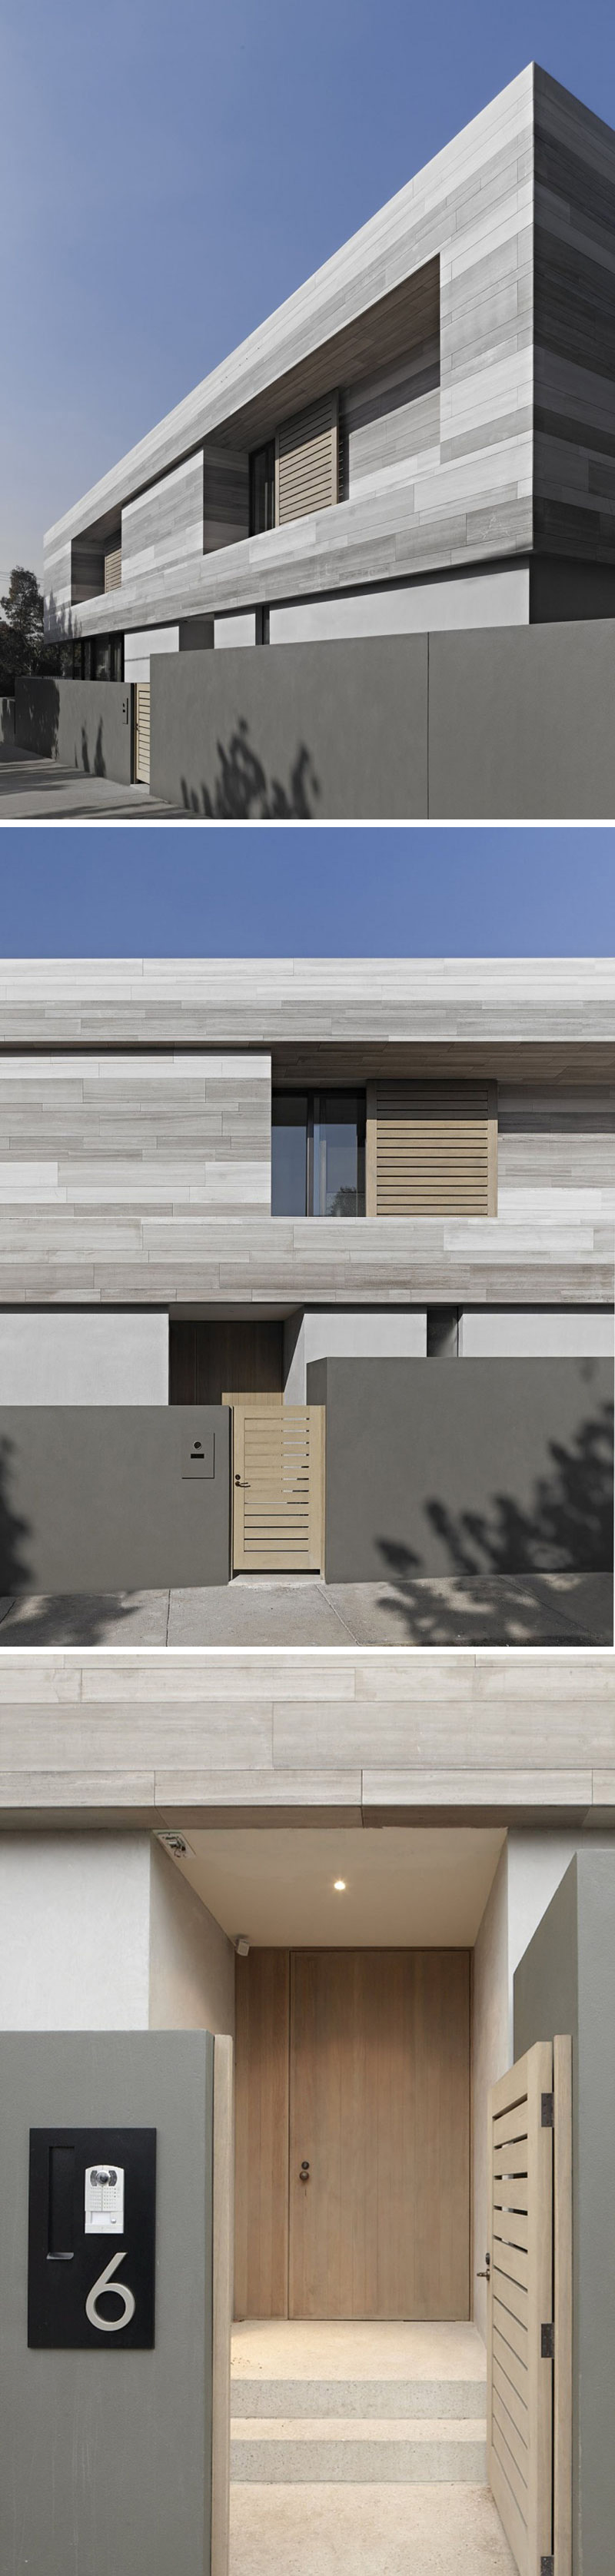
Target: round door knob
{"points": [[304, 2173]]}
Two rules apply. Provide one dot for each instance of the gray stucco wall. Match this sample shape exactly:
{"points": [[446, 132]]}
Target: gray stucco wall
{"points": [[336, 730], [87, 724], [107, 2455], [509, 724], [490, 1466], [93, 1498], [521, 724], [566, 1982]]}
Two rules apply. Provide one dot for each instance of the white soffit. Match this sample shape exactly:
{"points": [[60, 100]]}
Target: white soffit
{"points": [[406, 1886]]}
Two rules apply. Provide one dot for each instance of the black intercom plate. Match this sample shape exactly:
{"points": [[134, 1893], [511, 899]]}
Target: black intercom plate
{"points": [[64, 2264]]}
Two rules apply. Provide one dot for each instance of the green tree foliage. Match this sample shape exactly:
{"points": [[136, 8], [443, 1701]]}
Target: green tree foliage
{"points": [[23, 645]]}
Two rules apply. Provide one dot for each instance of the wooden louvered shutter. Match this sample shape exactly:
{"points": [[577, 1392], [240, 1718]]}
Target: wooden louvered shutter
{"points": [[431, 1149], [306, 461], [113, 567]]}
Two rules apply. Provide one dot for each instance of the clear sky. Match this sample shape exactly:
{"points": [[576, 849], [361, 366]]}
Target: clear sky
{"points": [[202, 892], [172, 169]]}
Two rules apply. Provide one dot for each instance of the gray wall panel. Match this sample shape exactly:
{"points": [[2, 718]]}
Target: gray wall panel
{"points": [[327, 730], [107, 2455], [521, 724], [486, 1467], [85, 723], [93, 1498]]}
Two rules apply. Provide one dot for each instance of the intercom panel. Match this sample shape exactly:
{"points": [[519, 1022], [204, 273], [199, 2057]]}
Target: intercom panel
{"points": [[92, 2239]]}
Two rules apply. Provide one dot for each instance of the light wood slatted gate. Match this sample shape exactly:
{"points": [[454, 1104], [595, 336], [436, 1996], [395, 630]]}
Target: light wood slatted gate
{"points": [[278, 1488], [529, 2344], [142, 731]]}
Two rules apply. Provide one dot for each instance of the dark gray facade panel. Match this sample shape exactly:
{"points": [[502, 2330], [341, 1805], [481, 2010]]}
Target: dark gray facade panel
{"points": [[105, 1498], [521, 724], [485, 1467], [336, 731], [565, 1983], [106, 2456], [86, 724]]}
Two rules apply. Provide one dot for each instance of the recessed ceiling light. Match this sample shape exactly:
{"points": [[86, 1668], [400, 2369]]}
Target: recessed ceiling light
{"points": [[339, 1884]]}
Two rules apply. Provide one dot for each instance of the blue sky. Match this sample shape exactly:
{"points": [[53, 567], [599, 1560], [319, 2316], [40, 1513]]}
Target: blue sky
{"points": [[172, 169], [202, 892]]}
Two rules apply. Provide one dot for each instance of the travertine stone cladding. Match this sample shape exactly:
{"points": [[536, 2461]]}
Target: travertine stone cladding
{"points": [[460, 490], [139, 1135], [574, 327], [556, 1152], [165, 527]]}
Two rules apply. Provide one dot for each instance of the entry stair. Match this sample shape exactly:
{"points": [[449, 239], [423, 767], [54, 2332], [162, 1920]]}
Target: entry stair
{"points": [[330, 2417]]}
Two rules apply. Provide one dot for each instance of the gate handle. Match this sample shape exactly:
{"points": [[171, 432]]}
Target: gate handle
{"points": [[244, 1482], [304, 2174], [486, 2275]]}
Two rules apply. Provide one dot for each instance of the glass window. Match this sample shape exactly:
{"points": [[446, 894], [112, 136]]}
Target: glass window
{"points": [[339, 1154], [289, 1129], [318, 1153], [262, 489]]}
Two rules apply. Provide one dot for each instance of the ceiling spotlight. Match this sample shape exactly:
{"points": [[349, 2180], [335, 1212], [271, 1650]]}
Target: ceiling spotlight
{"points": [[339, 1885]]}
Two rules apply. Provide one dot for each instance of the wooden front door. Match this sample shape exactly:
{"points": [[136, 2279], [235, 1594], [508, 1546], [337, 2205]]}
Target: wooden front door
{"points": [[354, 2065], [278, 1488]]}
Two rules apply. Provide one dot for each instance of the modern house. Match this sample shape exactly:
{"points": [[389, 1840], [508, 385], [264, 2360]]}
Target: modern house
{"points": [[418, 442], [389, 1882], [307, 1267]]}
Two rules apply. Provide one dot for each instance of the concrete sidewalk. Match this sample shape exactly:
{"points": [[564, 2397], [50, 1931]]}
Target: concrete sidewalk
{"points": [[258, 1610], [45, 791]]}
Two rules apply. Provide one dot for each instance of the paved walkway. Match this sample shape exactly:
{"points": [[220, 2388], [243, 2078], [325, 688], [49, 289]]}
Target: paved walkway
{"points": [[45, 791], [541, 1610]]}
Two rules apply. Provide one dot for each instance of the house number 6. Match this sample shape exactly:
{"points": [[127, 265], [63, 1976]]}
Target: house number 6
{"points": [[110, 2325]]}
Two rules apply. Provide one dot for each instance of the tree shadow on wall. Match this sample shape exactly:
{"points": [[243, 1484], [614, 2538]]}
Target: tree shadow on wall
{"points": [[31, 1619], [243, 793], [566, 1530]]}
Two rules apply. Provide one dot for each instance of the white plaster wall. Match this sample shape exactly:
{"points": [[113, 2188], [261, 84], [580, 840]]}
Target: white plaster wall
{"points": [[74, 1931], [139, 646], [192, 1963], [503, 1332], [371, 1334], [499, 598], [537, 1863], [490, 2058], [239, 628], [84, 1359]]}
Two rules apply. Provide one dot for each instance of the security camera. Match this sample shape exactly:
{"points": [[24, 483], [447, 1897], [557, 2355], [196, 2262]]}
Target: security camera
{"points": [[242, 1945]]}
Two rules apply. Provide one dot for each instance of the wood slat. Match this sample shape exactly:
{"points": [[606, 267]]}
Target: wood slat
{"points": [[519, 2376], [306, 469], [278, 1487], [430, 1150]]}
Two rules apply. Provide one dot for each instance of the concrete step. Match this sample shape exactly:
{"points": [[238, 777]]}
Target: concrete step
{"points": [[450, 2398], [359, 2451]]}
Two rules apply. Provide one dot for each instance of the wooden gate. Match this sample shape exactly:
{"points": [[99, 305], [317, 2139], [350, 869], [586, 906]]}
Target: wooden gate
{"points": [[142, 731], [529, 2345], [278, 1488]]}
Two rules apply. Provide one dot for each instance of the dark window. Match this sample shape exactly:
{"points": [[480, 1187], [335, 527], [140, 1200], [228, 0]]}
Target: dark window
{"points": [[289, 1134], [262, 489], [318, 1153]]}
